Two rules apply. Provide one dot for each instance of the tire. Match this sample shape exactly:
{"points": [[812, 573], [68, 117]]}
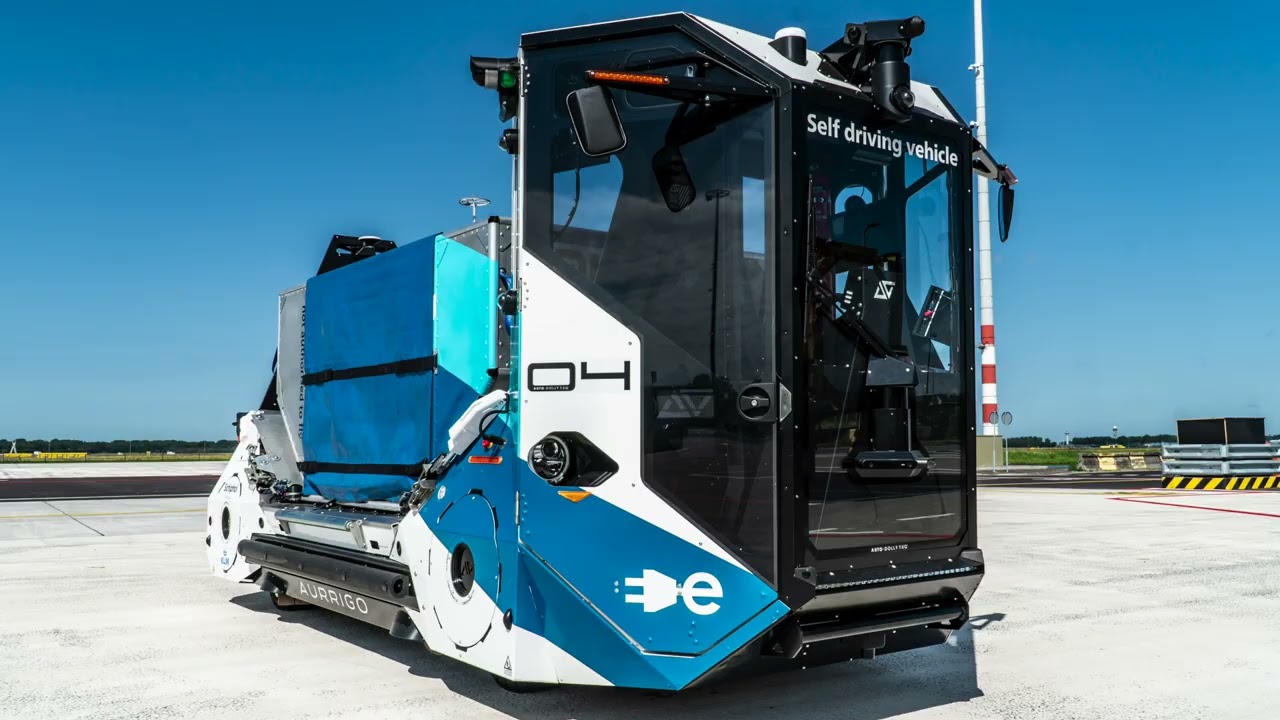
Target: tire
{"points": [[284, 603]]}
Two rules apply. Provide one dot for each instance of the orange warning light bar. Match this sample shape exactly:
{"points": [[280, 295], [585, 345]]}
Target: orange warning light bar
{"points": [[485, 459], [626, 77], [574, 495]]}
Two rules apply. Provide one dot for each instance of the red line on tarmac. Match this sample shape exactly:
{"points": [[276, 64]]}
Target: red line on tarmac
{"points": [[1197, 507]]}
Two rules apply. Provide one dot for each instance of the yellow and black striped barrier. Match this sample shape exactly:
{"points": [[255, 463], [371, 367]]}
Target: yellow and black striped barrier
{"points": [[1253, 482]]}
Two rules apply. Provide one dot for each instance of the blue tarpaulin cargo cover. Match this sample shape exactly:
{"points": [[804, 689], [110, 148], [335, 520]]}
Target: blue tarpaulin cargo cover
{"points": [[367, 360]]}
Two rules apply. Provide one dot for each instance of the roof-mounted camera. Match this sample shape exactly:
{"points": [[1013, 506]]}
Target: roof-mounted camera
{"points": [[873, 56]]}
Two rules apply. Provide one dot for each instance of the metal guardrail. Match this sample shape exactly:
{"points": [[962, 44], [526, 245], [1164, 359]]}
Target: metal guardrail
{"points": [[1220, 452], [1223, 460]]}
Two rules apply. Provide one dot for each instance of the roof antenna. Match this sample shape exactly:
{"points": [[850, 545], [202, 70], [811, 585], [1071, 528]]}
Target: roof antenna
{"points": [[473, 202]]}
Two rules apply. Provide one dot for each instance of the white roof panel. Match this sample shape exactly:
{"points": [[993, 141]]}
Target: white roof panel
{"points": [[758, 46]]}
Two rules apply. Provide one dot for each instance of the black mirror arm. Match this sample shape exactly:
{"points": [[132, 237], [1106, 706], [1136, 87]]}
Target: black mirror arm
{"points": [[1005, 176]]}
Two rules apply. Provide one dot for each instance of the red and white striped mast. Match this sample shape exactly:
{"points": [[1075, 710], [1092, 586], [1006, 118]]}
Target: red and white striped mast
{"points": [[987, 305]]}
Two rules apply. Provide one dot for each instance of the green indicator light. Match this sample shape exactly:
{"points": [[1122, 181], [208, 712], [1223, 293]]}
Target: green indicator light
{"points": [[507, 79]]}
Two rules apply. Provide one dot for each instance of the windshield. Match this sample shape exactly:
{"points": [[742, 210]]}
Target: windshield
{"points": [[883, 261]]}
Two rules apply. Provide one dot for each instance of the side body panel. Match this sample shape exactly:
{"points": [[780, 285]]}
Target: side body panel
{"points": [[460, 545], [235, 510], [620, 580], [289, 368]]}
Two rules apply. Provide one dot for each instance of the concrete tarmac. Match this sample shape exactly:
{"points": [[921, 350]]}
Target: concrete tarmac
{"points": [[39, 522], [1096, 604]]}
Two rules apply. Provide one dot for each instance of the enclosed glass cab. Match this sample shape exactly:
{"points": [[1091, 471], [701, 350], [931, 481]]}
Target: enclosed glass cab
{"points": [[796, 266]]}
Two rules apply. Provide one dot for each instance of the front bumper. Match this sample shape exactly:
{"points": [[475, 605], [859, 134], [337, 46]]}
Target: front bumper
{"points": [[867, 613], [368, 588], [862, 614]]}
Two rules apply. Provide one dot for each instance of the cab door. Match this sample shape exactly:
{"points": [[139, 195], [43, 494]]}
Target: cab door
{"points": [[647, 347], [884, 426]]}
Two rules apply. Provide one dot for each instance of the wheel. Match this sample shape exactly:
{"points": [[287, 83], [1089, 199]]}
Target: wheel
{"points": [[520, 687], [287, 604]]}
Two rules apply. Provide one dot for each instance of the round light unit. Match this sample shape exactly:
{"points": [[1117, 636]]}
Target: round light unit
{"points": [[549, 459]]}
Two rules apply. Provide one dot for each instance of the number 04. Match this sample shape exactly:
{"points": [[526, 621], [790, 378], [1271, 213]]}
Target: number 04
{"points": [[562, 376]]}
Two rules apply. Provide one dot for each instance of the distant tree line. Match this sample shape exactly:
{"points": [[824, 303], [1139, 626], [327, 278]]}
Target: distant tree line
{"points": [[1129, 441], [1030, 441], [120, 446]]}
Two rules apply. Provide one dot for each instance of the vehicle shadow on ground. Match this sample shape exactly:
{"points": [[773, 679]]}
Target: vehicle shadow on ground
{"points": [[880, 689]]}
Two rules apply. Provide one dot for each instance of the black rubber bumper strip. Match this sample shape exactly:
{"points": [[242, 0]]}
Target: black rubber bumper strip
{"points": [[399, 367], [377, 583]]}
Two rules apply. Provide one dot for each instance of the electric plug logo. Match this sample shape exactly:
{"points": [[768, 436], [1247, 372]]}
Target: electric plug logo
{"points": [[658, 592]]}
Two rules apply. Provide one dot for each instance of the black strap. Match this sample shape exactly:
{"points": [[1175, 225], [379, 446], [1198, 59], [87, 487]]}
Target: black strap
{"points": [[399, 367], [311, 466]]}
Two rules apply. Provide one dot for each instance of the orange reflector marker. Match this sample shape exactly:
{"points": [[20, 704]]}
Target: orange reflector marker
{"points": [[485, 459], [626, 77], [574, 495]]}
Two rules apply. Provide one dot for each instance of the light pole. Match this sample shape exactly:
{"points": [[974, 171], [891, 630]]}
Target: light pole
{"points": [[1007, 419], [987, 304], [473, 202]]}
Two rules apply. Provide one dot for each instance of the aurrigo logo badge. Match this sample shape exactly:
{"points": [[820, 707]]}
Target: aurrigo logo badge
{"points": [[884, 290], [319, 593]]}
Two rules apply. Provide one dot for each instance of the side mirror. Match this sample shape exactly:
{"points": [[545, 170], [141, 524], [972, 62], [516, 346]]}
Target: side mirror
{"points": [[1005, 211], [595, 121]]}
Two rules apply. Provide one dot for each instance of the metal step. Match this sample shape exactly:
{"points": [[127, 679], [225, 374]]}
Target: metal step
{"points": [[367, 531]]}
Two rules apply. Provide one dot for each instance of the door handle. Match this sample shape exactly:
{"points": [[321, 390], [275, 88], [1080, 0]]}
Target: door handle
{"points": [[757, 403]]}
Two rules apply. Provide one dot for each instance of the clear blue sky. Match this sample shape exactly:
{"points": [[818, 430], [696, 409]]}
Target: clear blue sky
{"points": [[167, 168]]}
